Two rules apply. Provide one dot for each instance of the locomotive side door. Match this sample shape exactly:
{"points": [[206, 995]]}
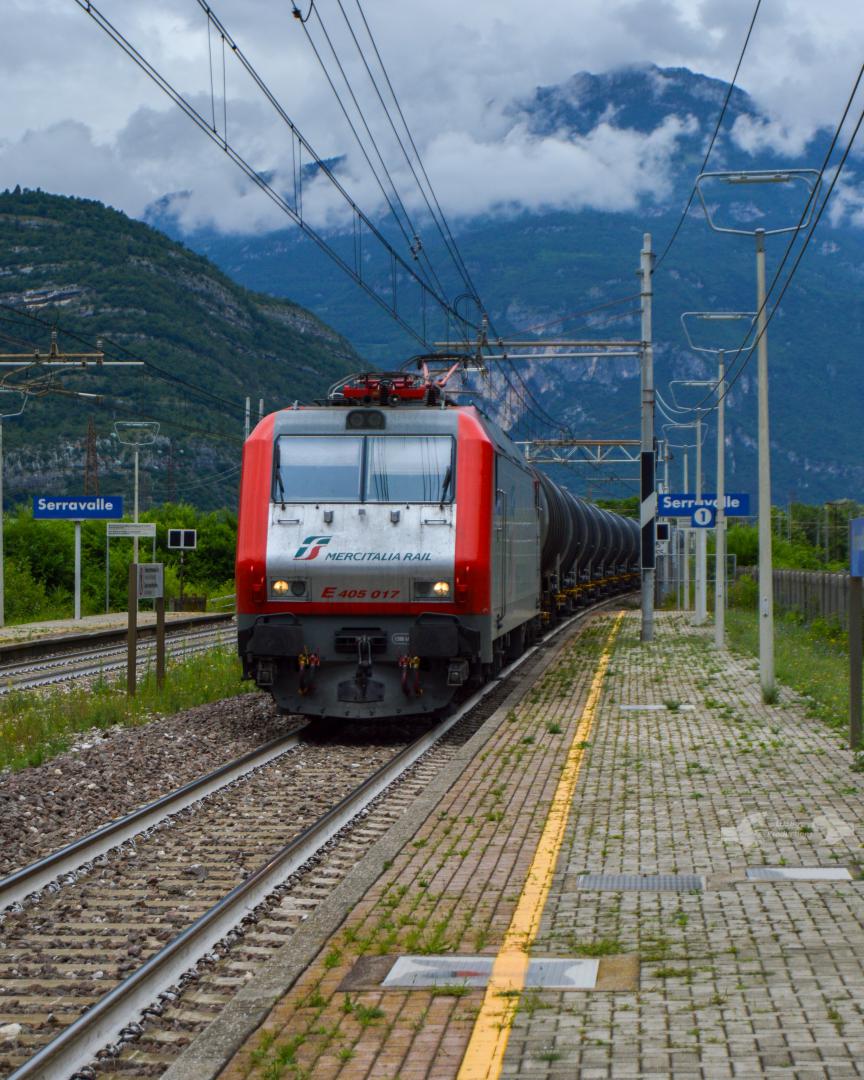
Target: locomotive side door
{"points": [[501, 542]]}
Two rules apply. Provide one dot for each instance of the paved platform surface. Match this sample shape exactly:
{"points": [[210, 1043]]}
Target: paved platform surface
{"points": [[671, 765], [88, 624]]}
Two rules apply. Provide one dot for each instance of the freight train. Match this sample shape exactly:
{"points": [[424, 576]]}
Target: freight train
{"points": [[394, 547]]}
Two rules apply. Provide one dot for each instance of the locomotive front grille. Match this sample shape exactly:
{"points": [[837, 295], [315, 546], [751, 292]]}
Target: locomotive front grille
{"points": [[346, 641]]}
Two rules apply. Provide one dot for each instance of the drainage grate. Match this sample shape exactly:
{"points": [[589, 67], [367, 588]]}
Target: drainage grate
{"points": [[547, 973], [798, 873], [642, 882]]}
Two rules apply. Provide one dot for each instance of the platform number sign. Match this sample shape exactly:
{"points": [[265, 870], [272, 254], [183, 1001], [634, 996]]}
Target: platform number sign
{"points": [[182, 539], [703, 517]]}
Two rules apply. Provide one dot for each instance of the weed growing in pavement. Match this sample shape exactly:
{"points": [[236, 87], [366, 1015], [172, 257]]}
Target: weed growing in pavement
{"points": [[264, 1043], [450, 991], [313, 1000], [554, 729], [603, 947], [37, 725], [367, 1014]]}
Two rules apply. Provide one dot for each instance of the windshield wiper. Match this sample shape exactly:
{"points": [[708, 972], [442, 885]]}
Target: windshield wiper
{"points": [[280, 483], [445, 484]]}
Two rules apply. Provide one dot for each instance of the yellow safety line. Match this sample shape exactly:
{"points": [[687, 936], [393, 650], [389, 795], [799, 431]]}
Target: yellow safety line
{"points": [[484, 1057]]}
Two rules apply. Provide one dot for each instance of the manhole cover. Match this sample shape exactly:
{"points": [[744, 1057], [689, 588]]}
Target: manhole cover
{"points": [[798, 873], [553, 974], [641, 882]]}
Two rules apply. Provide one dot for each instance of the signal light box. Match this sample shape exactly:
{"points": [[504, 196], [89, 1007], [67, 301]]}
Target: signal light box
{"points": [[182, 539]]}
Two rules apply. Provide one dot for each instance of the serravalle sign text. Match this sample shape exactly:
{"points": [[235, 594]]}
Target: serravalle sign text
{"points": [[78, 507], [683, 505]]}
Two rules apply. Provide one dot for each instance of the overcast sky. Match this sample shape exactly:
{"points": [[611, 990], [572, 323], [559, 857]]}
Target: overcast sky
{"points": [[80, 118]]}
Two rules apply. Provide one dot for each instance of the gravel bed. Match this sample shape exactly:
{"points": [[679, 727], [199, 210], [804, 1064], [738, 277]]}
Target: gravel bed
{"points": [[107, 774]]}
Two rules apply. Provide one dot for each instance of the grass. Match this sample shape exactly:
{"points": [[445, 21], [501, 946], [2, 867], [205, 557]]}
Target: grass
{"points": [[806, 659], [37, 725]]}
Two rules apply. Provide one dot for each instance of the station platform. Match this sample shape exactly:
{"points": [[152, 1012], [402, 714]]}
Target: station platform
{"points": [[635, 869], [93, 624]]}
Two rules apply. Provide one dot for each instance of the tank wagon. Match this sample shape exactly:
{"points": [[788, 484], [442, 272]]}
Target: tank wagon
{"points": [[393, 549]]}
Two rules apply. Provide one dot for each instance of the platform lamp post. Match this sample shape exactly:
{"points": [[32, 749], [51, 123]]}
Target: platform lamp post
{"points": [[22, 394], [811, 179], [136, 433], [726, 317]]}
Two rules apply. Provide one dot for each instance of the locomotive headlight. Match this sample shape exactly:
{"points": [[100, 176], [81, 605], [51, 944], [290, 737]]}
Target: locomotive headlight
{"points": [[298, 588], [280, 587], [441, 588]]}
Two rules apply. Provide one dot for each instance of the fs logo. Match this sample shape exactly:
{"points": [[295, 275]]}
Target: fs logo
{"points": [[305, 553]]}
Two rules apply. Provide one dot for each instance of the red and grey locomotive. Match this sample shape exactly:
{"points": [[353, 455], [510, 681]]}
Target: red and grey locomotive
{"points": [[395, 547]]}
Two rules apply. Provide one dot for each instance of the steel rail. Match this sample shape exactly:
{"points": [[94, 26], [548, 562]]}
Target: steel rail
{"points": [[49, 660], [43, 646], [78, 1044], [29, 879], [58, 671]]}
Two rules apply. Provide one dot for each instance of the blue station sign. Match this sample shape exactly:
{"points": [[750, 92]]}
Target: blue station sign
{"points": [[77, 507], [683, 505]]}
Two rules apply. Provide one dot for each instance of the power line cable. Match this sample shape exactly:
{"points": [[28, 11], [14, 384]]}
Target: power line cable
{"points": [[452, 245], [440, 223], [716, 132], [411, 235], [731, 378]]}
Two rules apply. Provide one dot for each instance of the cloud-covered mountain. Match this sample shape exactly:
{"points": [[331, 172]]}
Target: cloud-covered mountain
{"points": [[593, 164]]}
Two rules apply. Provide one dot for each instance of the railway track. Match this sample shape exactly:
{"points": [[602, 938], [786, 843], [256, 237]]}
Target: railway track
{"points": [[95, 660], [181, 907]]}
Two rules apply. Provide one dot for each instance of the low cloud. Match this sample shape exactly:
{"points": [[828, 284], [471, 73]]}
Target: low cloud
{"points": [[158, 152]]}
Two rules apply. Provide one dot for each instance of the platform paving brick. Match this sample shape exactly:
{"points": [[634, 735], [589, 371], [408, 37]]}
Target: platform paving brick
{"points": [[745, 979], [453, 889]]}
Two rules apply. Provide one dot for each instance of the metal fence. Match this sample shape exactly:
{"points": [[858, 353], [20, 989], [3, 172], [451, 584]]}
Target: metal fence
{"points": [[815, 593]]}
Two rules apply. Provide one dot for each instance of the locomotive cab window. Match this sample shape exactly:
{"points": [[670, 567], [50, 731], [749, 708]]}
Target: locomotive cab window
{"points": [[409, 469], [313, 468], [355, 468]]}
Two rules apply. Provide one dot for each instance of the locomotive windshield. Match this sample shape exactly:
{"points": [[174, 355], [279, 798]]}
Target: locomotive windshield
{"points": [[355, 468], [411, 469], [314, 467]]}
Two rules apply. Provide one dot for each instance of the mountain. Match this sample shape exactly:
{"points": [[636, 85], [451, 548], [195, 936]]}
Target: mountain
{"points": [[208, 343], [533, 267]]}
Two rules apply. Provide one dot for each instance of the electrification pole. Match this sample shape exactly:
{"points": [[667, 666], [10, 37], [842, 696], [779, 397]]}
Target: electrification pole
{"points": [[720, 535], [648, 509], [701, 609], [686, 531], [728, 318], [811, 179], [766, 565]]}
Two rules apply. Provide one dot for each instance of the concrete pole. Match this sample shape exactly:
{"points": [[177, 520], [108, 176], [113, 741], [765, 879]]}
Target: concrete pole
{"points": [[648, 510], [720, 571], [855, 650], [246, 419], [2, 553], [766, 568], [77, 571], [686, 532], [701, 540], [135, 511]]}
